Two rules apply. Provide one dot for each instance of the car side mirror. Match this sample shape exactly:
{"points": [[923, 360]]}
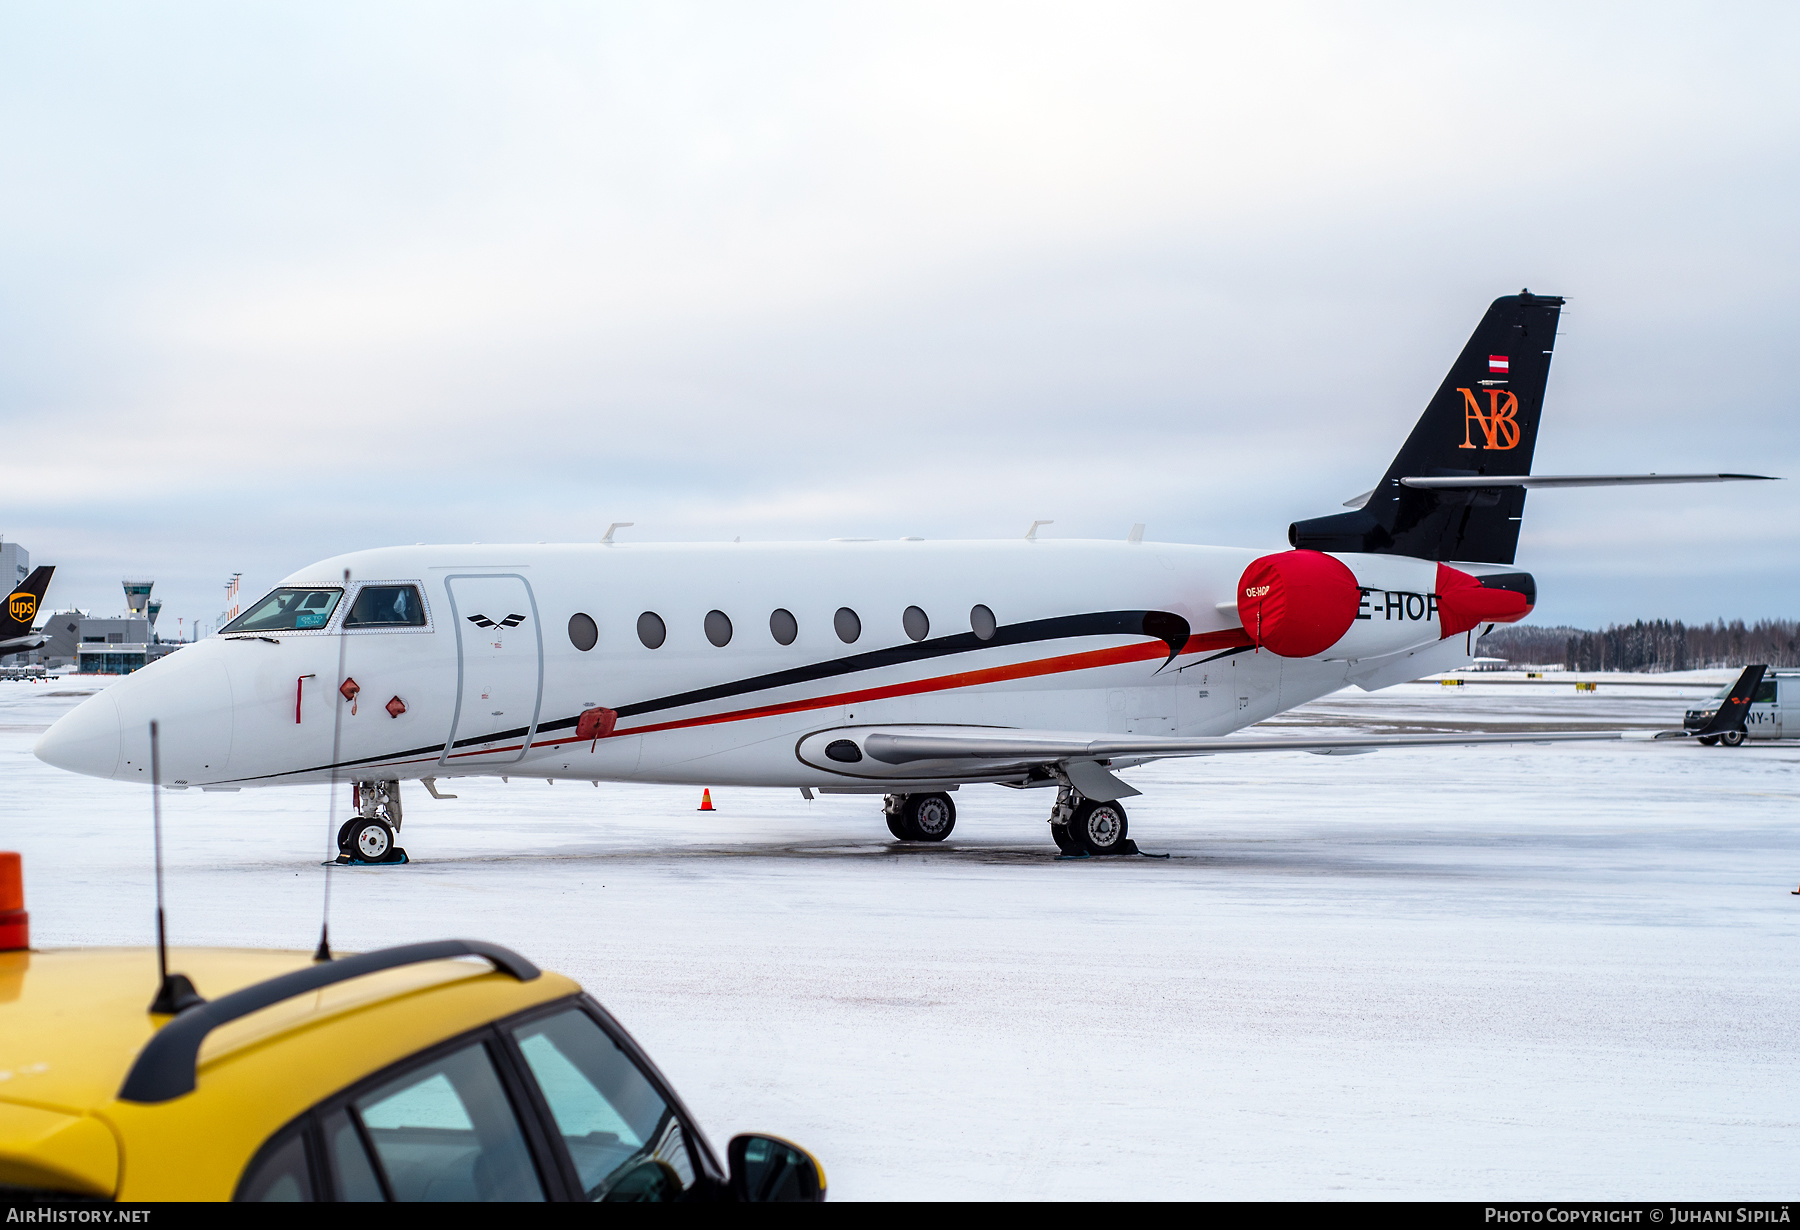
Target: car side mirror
{"points": [[767, 1168]]}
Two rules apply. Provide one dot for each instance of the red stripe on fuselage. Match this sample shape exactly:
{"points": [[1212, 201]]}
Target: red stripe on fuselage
{"points": [[1230, 638]]}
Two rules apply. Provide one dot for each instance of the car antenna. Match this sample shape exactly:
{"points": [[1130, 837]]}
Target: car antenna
{"points": [[174, 992], [323, 952]]}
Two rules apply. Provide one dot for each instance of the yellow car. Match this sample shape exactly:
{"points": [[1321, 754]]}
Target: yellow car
{"points": [[452, 1070]]}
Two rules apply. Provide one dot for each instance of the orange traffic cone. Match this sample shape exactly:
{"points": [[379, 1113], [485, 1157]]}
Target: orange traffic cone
{"points": [[705, 801]]}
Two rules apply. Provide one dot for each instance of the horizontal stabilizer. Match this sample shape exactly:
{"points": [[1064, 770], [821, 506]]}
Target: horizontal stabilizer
{"points": [[1489, 482]]}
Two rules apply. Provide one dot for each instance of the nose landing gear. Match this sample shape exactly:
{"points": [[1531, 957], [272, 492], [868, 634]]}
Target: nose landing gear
{"points": [[368, 836]]}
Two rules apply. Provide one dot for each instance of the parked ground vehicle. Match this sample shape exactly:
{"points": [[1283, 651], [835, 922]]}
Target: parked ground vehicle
{"points": [[1778, 693], [452, 1070]]}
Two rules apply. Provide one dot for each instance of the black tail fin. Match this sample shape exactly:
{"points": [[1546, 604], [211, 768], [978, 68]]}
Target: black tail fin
{"points": [[22, 604], [1483, 420], [1736, 706]]}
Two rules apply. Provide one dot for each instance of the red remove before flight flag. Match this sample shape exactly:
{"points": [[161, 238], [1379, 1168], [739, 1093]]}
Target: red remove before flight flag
{"points": [[595, 724]]}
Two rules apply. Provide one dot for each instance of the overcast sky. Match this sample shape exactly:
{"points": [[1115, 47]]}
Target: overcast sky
{"points": [[279, 281]]}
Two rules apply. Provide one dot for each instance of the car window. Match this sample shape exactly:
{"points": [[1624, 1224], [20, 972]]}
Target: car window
{"points": [[288, 610], [623, 1138], [445, 1131], [386, 606], [350, 1168], [1765, 693], [282, 1175]]}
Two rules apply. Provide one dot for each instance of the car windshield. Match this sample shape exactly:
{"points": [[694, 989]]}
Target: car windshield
{"points": [[288, 610], [623, 1138]]}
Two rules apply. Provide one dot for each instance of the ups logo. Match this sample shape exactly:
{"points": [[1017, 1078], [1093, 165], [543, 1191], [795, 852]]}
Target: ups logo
{"points": [[1499, 423], [22, 606]]}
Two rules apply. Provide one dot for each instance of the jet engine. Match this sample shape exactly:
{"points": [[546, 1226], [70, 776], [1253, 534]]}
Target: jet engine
{"points": [[1314, 604]]}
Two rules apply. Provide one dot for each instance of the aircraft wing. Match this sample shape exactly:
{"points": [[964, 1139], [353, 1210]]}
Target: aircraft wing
{"points": [[989, 753], [1476, 483]]}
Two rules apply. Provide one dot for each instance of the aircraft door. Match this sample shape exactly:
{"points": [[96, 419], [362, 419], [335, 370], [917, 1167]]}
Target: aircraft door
{"points": [[499, 670]]}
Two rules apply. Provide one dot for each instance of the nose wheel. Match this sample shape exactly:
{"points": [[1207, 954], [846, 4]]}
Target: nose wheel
{"points": [[369, 836], [367, 841]]}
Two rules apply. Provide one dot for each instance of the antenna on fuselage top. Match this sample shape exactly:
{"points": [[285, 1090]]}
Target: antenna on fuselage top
{"points": [[174, 992], [323, 952]]}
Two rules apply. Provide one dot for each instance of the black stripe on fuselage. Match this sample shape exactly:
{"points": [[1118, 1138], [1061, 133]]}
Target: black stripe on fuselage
{"points": [[1169, 628]]}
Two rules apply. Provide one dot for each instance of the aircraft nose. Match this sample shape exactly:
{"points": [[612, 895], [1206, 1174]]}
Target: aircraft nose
{"points": [[85, 739]]}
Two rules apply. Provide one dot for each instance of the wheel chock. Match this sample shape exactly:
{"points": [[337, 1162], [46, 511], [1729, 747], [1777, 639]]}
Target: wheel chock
{"points": [[395, 858]]}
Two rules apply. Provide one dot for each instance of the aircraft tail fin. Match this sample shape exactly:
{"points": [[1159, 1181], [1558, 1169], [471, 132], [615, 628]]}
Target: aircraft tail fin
{"points": [[1736, 706], [22, 604], [1482, 422]]}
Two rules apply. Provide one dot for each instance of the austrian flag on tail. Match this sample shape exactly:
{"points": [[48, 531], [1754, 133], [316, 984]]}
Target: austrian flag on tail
{"points": [[1496, 365]]}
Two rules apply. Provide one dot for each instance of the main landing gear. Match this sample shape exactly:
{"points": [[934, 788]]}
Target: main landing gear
{"points": [[369, 835], [919, 817], [1080, 825]]}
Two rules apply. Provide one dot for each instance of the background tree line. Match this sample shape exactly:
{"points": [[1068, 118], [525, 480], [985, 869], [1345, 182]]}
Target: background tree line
{"points": [[1653, 645]]}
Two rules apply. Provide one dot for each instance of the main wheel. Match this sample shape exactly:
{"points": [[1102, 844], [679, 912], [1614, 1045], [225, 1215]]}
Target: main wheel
{"points": [[372, 841], [1709, 740], [897, 826], [1059, 833], [1098, 828], [1733, 738], [347, 836], [930, 817]]}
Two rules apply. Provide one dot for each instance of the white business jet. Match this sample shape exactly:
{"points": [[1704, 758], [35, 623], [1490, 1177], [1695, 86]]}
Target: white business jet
{"points": [[903, 669]]}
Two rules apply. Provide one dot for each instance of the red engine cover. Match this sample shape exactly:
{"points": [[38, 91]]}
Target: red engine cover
{"points": [[1463, 602], [1298, 603]]}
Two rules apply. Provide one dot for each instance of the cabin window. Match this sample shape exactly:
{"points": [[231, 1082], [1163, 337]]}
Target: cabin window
{"points": [[718, 628], [288, 610], [983, 623], [783, 626], [386, 606], [651, 630], [848, 626], [917, 626], [584, 633]]}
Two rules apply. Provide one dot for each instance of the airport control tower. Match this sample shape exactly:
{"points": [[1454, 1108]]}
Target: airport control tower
{"points": [[137, 595]]}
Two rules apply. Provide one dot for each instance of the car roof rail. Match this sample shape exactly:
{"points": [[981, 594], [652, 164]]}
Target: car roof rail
{"points": [[165, 1068]]}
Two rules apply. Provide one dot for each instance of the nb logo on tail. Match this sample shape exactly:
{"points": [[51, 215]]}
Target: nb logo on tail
{"points": [[1499, 422]]}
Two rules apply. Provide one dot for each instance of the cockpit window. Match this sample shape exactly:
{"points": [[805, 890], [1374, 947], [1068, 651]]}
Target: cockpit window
{"points": [[288, 610], [386, 606]]}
